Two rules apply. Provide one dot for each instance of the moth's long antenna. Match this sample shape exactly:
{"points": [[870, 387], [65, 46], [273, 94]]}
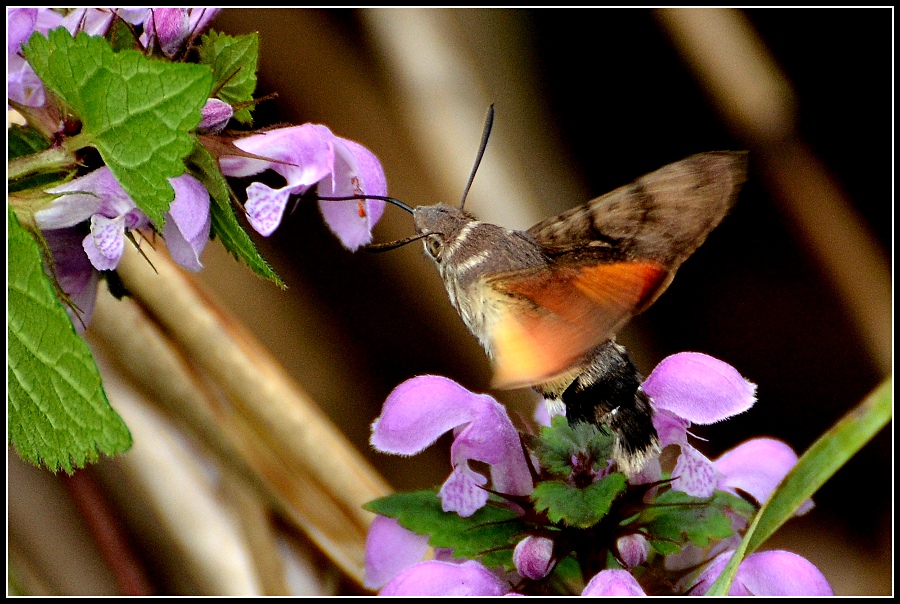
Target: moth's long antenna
{"points": [[486, 133], [396, 202]]}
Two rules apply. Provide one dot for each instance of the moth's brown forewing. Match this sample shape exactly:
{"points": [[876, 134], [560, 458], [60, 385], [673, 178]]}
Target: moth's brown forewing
{"points": [[607, 261]]}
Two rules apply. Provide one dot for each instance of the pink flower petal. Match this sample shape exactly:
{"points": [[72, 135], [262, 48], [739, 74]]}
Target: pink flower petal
{"points": [[491, 438], [200, 19], [186, 229], [106, 242], [771, 573], [356, 172], [420, 410], [781, 573], [170, 25], [265, 207], [672, 430], [756, 467], [633, 549], [390, 549], [435, 578], [699, 388], [462, 492], [97, 192], [303, 155], [74, 272], [19, 27], [694, 474], [613, 582]]}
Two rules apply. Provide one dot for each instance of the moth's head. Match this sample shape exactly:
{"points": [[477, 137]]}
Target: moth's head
{"points": [[439, 225]]}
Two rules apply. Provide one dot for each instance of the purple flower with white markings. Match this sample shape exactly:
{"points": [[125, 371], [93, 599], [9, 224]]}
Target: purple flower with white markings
{"points": [[306, 156], [687, 388], [669, 526], [421, 409], [99, 199]]}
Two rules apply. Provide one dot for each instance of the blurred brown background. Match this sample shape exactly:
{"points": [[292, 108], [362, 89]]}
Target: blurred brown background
{"points": [[793, 289]]}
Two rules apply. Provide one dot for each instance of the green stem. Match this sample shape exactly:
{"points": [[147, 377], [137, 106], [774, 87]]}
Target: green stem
{"points": [[55, 158]]}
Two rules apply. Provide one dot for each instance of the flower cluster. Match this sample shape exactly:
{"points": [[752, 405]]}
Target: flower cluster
{"points": [[556, 519], [85, 212]]}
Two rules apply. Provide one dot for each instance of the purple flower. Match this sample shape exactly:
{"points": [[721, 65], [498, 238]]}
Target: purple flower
{"points": [[20, 25], [436, 578], [215, 115], [305, 156], [533, 557], [633, 549], [390, 549], [613, 582], [690, 387], [423, 408], [97, 197], [756, 467], [771, 573], [172, 27], [74, 273], [92, 21], [22, 84], [188, 221]]}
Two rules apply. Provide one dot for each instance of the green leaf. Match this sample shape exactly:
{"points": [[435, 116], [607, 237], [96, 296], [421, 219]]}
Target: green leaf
{"points": [[121, 36], [813, 469], [477, 537], [233, 60], [57, 411], [24, 140], [566, 577], [679, 518], [560, 441], [204, 167], [582, 508], [136, 111]]}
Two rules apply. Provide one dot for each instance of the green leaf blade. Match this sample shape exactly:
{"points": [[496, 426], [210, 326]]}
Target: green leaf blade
{"points": [[57, 411], [204, 167], [579, 507], [233, 60]]}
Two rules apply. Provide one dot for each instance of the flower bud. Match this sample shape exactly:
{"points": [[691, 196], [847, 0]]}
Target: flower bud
{"points": [[633, 549], [533, 557], [171, 28], [215, 115]]}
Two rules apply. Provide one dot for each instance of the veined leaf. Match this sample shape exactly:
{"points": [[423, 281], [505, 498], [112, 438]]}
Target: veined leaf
{"points": [[57, 411]]}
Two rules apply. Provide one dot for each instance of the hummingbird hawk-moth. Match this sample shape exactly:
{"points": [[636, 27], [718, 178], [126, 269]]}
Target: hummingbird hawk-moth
{"points": [[546, 303]]}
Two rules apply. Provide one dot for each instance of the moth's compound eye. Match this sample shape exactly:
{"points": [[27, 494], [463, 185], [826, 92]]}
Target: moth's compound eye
{"points": [[434, 245]]}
